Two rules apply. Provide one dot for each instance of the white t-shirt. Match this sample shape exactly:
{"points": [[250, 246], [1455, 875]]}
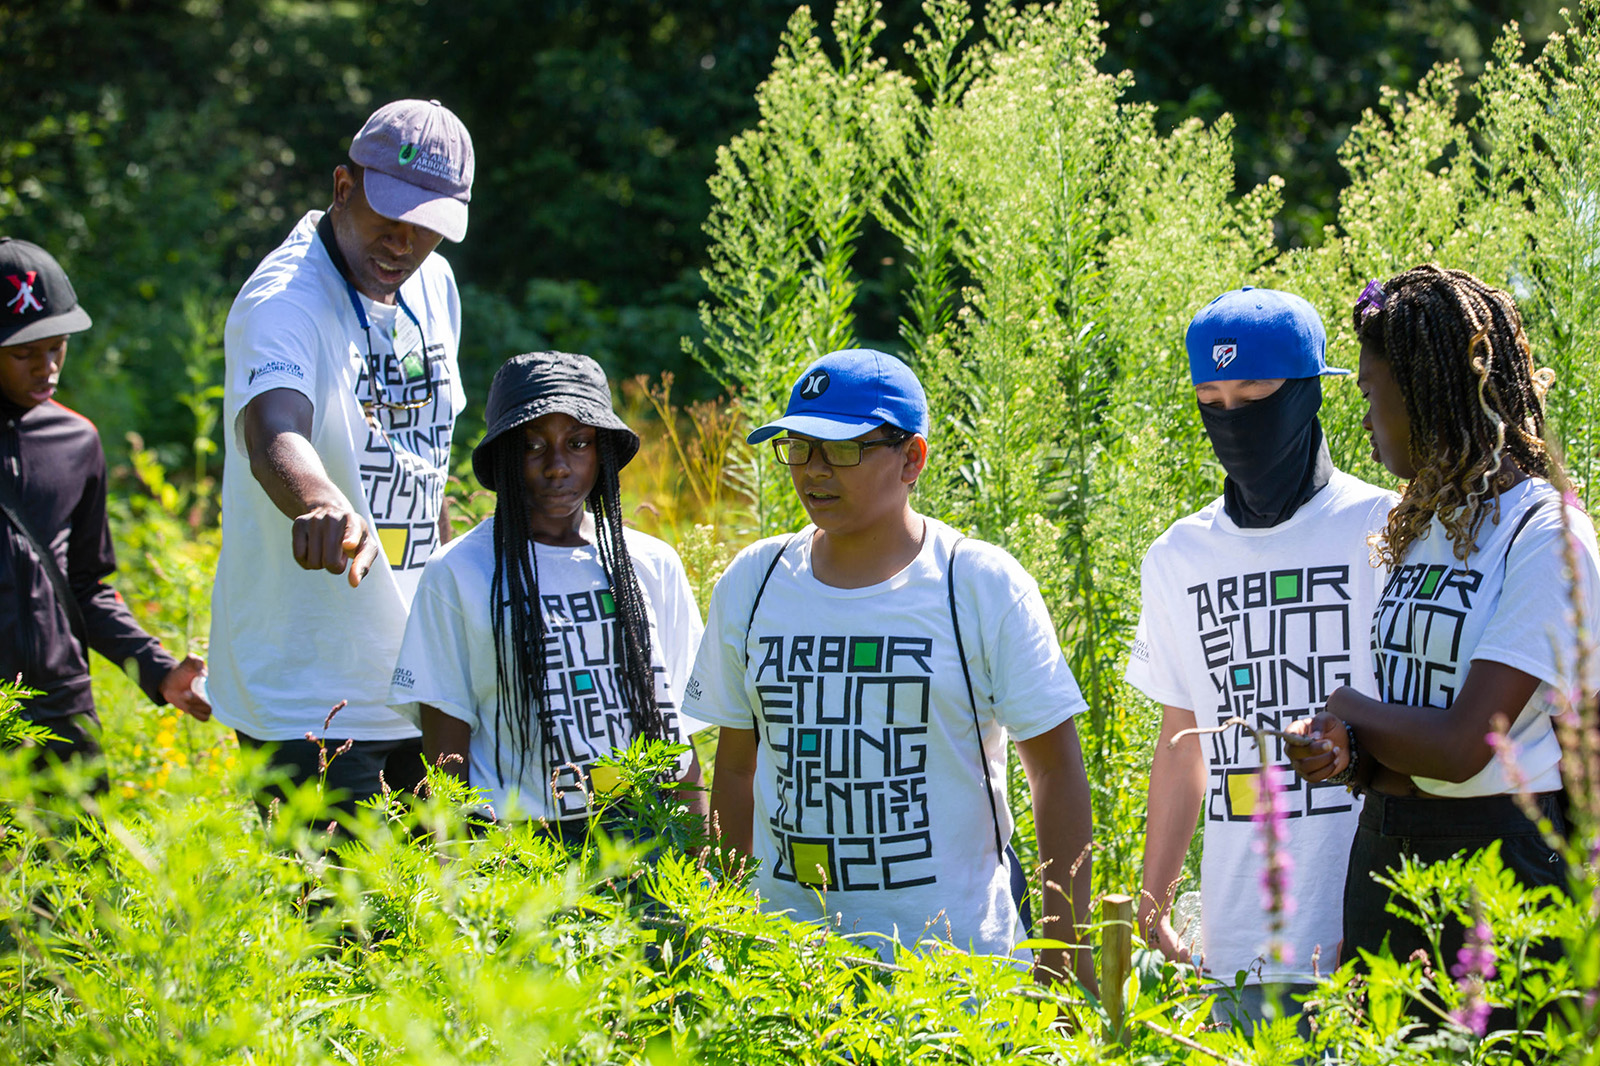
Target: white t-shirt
{"points": [[1263, 624], [286, 643], [868, 766], [447, 661], [1439, 613]]}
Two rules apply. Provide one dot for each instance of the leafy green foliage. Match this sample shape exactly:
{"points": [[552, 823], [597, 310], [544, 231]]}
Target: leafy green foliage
{"points": [[1297, 76], [16, 730], [1041, 232], [1056, 244]]}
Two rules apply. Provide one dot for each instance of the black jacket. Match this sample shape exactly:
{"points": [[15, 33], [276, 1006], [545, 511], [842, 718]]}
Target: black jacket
{"points": [[51, 459]]}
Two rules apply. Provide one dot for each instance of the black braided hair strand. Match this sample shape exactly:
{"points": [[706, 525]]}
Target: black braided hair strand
{"points": [[638, 675], [521, 673]]}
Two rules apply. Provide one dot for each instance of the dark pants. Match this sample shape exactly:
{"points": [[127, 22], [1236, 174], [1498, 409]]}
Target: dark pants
{"points": [[80, 742], [1430, 830], [1019, 891], [352, 776]]}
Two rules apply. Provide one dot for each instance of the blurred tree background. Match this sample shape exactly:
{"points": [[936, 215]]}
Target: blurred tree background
{"points": [[161, 147]]}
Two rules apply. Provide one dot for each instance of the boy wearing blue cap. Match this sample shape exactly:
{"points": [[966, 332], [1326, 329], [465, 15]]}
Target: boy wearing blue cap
{"points": [[1255, 607], [866, 673]]}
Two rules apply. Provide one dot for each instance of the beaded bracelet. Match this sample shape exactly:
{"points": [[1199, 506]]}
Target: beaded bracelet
{"points": [[1347, 776]]}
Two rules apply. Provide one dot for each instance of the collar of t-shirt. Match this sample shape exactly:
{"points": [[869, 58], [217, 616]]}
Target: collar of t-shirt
{"points": [[907, 573], [1304, 513], [330, 245]]}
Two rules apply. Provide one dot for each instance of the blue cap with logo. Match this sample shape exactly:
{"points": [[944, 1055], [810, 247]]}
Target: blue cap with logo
{"points": [[1256, 334], [846, 393]]}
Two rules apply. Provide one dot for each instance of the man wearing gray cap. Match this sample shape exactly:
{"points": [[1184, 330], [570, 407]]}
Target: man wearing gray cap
{"points": [[342, 392]]}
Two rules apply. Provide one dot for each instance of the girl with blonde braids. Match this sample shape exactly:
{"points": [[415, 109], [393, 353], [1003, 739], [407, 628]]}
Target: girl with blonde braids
{"points": [[1492, 575]]}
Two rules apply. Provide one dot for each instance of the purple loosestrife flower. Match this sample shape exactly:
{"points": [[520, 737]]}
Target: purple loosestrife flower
{"points": [[1594, 864], [1500, 744], [1475, 965], [1273, 819]]}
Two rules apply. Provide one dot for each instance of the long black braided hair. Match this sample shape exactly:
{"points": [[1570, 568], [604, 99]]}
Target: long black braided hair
{"points": [[520, 656]]}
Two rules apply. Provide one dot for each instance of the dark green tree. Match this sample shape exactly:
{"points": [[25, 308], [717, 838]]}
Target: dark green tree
{"points": [[1297, 74]]}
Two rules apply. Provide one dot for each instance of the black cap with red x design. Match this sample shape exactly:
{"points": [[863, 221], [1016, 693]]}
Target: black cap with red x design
{"points": [[36, 299]]}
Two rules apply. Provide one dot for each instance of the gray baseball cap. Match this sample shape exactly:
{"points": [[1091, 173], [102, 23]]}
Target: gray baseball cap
{"points": [[419, 167]]}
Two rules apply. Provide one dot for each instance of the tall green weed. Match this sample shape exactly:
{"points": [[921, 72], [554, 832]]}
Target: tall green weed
{"points": [[1056, 245]]}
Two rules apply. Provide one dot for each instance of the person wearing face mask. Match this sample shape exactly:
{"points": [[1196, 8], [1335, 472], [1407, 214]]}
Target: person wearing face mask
{"points": [[1254, 609]]}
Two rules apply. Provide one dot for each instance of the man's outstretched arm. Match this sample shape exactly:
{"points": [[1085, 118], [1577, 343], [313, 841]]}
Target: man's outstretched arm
{"points": [[328, 531]]}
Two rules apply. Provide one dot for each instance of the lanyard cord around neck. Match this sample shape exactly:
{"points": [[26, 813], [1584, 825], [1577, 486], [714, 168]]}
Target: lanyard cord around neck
{"points": [[330, 245], [361, 312]]}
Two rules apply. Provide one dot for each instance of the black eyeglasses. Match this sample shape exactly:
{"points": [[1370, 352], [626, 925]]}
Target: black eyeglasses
{"points": [[796, 451]]}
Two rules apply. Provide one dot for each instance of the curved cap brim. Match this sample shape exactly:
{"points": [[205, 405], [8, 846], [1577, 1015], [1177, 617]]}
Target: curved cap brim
{"points": [[74, 321], [404, 202], [601, 418], [821, 427]]}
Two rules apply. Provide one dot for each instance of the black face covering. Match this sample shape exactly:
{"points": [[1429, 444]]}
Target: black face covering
{"points": [[1273, 451]]}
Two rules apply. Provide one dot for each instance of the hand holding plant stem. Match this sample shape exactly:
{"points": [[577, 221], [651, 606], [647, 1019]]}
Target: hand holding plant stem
{"points": [[1318, 747]]}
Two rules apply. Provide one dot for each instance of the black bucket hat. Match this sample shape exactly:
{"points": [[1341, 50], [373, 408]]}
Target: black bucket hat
{"points": [[538, 383], [36, 299]]}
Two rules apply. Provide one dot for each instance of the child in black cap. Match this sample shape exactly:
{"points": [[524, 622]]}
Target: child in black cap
{"points": [[55, 552], [549, 635]]}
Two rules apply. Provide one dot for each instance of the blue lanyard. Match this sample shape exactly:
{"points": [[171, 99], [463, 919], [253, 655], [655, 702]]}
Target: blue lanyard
{"points": [[374, 364], [361, 313]]}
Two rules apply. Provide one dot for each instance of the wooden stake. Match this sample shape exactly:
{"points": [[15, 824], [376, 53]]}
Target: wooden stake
{"points": [[1116, 960]]}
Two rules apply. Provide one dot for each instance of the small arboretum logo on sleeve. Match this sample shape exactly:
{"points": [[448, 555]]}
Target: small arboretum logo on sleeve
{"points": [[403, 678], [693, 690], [276, 366], [1224, 352]]}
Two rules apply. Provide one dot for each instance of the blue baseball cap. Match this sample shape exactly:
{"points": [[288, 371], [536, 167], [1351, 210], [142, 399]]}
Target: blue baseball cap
{"points": [[1252, 333], [846, 393]]}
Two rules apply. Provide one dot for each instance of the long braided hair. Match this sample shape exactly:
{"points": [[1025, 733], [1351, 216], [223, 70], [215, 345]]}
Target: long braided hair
{"points": [[520, 656], [1458, 353]]}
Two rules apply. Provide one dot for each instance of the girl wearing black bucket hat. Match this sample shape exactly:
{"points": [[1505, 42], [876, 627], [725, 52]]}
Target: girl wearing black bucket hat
{"points": [[550, 635]]}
